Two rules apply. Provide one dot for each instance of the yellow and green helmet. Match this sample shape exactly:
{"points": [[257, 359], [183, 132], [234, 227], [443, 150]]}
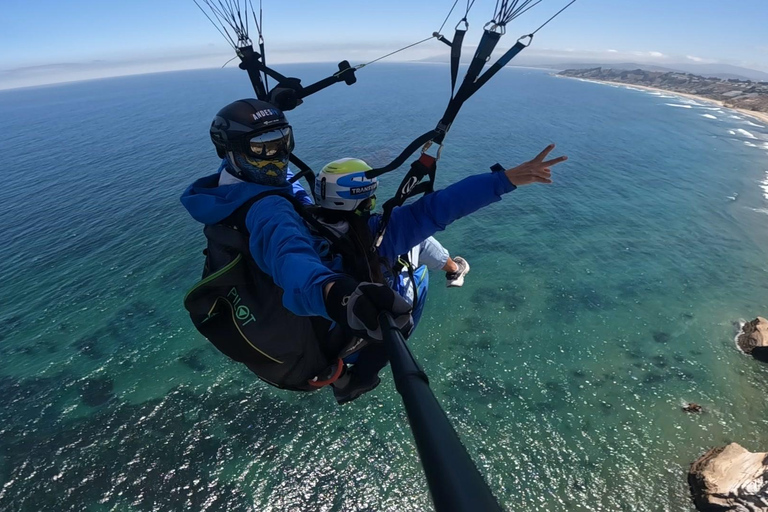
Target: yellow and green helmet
{"points": [[342, 185]]}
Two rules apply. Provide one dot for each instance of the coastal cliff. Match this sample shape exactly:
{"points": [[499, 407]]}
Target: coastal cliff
{"points": [[739, 94]]}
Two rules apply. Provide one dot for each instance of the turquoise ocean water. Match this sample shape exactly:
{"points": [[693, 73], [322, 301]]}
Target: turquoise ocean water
{"points": [[595, 308]]}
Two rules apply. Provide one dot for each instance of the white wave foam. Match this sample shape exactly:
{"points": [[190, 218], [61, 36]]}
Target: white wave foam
{"points": [[678, 106], [745, 133], [747, 143], [708, 116], [750, 123], [731, 132], [715, 109], [741, 323], [735, 117]]}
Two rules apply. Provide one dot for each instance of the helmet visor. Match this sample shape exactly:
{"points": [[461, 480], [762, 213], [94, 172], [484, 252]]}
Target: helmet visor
{"points": [[272, 145]]}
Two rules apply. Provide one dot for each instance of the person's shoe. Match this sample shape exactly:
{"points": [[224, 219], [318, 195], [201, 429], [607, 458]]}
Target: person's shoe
{"points": [[349, 387], [456, 279]]}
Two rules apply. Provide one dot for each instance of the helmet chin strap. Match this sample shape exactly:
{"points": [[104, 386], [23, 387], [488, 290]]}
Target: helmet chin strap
{"points": [[233, 164]]}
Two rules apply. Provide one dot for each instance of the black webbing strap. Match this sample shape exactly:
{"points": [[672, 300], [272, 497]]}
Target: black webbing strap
{"points": [[468, 87], [403, 156], [458, 40], [250, 63], [305, 172], [412, 185], [503, 61]]}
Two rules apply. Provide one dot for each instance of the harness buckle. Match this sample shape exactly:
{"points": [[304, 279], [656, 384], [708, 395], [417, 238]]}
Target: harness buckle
{"points": [[428, 145]]}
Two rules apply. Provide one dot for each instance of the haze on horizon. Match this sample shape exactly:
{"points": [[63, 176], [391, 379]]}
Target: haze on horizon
{"points": [[86, 39]]}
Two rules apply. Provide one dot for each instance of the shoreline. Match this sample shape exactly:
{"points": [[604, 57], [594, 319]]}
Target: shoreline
{"points": [[760, 116]]}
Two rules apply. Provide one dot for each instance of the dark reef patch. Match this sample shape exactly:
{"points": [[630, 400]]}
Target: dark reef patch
{"points": [[475, 324], [194, 359], [661, 337], [505, 297], [89, 346], [96, 391], [654, 378]]}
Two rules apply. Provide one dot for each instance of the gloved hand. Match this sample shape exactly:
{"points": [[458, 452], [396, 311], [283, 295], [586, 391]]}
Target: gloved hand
{"points": [[358, 306]]}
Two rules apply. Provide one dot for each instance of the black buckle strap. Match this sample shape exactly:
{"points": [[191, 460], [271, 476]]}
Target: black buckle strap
{"points": [[420, 141], [468, 87], [305, 171], [411, 185], [458, 40]]}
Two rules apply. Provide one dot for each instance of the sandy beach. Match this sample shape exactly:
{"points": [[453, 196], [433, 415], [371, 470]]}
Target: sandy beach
{"points": [[760, 116]]}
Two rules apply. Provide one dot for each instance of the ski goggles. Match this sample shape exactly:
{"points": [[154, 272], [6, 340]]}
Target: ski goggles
{"points": [[272, 145]]}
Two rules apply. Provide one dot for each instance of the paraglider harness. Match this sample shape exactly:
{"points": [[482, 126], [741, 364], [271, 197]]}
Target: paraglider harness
{"points": [[239, 308], [454, 481]]}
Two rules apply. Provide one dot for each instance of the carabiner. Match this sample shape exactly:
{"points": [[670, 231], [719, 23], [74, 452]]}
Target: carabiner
{"points": [[530, 40], [492, 26], [428, 145]]}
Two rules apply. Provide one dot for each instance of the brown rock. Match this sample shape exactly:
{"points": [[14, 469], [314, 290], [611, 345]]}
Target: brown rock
{"points": [[730, 478], [693, 407], [754, 338]]}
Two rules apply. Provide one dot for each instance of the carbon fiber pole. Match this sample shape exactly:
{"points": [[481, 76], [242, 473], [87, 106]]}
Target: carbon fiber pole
{"points": [[453, 479]]}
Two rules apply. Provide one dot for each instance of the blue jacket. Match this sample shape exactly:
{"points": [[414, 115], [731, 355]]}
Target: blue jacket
{"points": [[300, 263]]}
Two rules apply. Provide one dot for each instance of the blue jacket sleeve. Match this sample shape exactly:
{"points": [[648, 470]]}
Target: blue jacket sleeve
{"points": [[282, 246], [412, 223]]}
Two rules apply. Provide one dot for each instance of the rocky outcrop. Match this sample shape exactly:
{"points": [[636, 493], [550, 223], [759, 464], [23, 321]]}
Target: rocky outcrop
{"points": [[730, 478], [753, 338], [693, 407]]}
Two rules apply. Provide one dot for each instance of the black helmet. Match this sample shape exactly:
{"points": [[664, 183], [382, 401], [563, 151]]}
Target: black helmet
{"points": [[256, 139]]}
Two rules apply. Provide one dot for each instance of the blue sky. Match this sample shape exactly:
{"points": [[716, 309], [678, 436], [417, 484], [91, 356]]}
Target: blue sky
{"points": [[57, 40]]}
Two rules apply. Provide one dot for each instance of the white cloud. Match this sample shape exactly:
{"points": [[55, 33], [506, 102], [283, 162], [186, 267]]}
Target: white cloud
{"points": [[657, 55], [613, 51], [694, 59]]}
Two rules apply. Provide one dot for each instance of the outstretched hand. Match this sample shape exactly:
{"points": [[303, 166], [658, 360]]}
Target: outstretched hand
{"points": [[536, 170]]}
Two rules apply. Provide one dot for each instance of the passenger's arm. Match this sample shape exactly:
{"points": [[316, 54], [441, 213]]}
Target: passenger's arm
{"points": [[410, 224]]}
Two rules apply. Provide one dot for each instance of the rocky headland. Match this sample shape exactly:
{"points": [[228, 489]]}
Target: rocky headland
{"points": [[753, 338], [730, 478]]}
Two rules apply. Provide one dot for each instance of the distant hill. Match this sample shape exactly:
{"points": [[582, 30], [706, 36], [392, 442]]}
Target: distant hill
{"points": [[706, 70], [732, 92], [726, 71]]}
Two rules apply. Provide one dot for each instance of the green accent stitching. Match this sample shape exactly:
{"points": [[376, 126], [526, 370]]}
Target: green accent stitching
{"points": [[214, 276]]}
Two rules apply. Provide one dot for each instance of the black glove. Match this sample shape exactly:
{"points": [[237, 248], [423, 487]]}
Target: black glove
{"points": [[358, 306]]}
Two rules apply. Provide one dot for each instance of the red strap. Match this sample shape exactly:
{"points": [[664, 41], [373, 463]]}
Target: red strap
{"points": [[427, 160], [322, 383]]}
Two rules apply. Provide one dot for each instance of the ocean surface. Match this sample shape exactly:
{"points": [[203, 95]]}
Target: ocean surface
{"points": [[596, 307]]}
